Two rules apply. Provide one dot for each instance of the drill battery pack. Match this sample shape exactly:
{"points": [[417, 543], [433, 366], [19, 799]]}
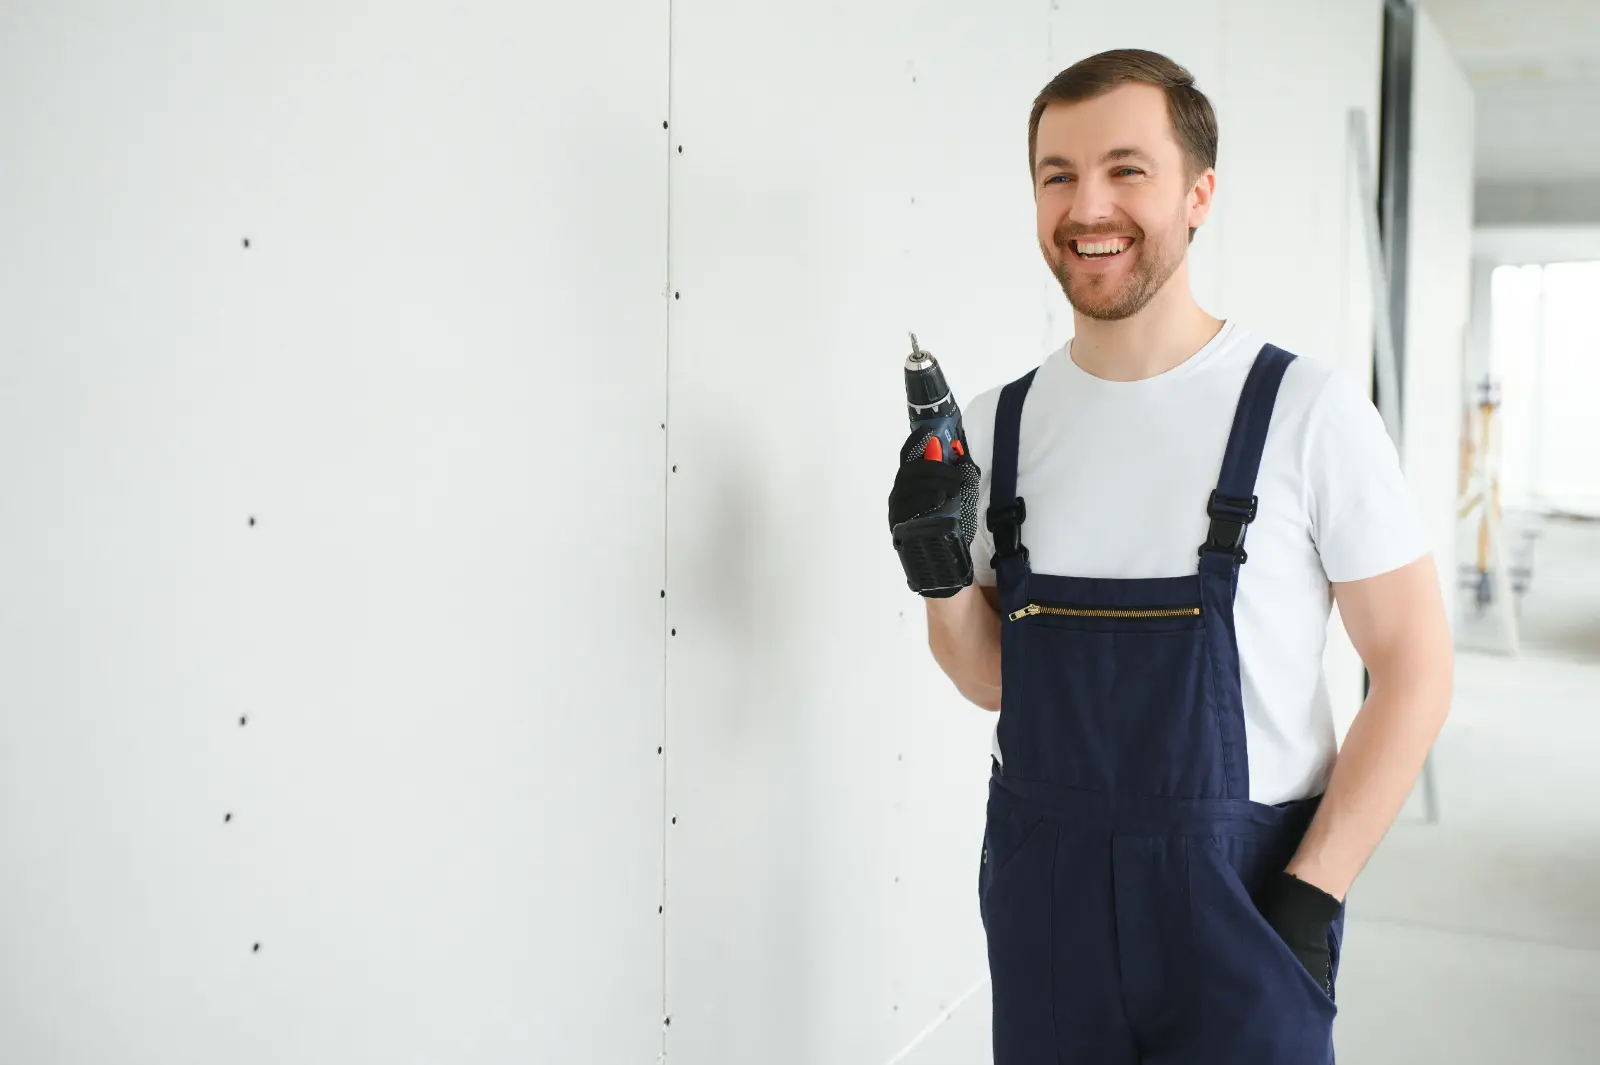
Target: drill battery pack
{"points": [[935, 556]]}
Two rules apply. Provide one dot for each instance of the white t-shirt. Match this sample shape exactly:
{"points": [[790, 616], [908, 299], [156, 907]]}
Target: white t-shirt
{"points": [[1116, 476]]}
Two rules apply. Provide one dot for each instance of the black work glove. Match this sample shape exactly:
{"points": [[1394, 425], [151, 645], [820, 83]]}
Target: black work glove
{"points": [[922, 485], [1303, 914]]}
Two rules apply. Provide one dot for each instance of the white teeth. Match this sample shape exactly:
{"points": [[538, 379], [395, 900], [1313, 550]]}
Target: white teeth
{"points": [[1103, 247]]}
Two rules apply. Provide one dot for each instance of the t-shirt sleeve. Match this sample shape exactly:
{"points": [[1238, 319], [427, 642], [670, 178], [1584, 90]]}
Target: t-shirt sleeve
{"points": [[978, 421], [1364, 519]]}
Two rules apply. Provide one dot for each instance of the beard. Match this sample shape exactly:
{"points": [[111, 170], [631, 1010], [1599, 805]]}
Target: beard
{"points": [[1095, 295]]}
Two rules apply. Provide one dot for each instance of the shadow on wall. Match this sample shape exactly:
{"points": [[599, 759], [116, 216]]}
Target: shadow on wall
{"points": [[744, 678]]}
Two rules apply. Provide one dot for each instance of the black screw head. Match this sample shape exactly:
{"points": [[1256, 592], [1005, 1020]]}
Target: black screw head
{"points": [[227, 817], [256, 949], [242, 720]]}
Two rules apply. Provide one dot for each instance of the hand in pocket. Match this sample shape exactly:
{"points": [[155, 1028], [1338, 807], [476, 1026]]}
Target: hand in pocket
{"points": [[1303, 914]]}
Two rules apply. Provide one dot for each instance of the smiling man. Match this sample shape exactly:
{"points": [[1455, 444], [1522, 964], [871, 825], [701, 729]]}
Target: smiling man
{"points": [[1172, 827]]}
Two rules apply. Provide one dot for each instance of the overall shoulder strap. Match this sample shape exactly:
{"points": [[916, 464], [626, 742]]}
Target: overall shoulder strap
{"points": [[1006, 509], [1233, 503]]}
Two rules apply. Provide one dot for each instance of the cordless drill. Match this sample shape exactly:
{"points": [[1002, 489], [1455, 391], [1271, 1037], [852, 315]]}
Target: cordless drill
{"points": [[933, 546]]}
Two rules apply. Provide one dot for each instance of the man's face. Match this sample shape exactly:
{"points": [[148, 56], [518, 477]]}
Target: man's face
{"points": [[1109, 177]]}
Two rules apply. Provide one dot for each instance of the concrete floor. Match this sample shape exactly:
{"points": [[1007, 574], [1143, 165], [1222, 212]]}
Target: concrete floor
{"points": [[1477, 939]]}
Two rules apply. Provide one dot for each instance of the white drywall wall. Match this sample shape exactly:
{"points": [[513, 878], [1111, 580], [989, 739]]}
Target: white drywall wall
{"points": [[435, 381], [1438, 289], [481, 280]]}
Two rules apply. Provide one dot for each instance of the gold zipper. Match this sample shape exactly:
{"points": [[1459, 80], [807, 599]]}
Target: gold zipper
{"points": [[1088, 612]]}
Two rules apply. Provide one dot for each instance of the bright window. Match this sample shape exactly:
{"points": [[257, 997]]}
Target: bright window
{"points": [[1545, 352]]}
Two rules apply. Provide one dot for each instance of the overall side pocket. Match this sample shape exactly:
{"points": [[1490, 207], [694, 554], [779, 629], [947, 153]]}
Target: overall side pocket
{"points": [[1007, 832], [1017, 901]]}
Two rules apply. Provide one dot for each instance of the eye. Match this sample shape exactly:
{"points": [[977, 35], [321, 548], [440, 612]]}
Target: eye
{"points": [[1129, 170], [1062, 177]]}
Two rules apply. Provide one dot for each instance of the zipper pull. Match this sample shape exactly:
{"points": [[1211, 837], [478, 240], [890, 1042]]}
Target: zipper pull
{"points": [[1018, 615]]}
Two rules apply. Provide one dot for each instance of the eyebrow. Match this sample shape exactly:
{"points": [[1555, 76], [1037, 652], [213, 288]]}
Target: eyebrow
{"points": [[1114, 155]]}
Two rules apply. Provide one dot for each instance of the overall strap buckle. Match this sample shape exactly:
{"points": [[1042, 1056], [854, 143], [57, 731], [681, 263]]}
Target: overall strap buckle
{"points": [[1230, 517], [1005, 523]]}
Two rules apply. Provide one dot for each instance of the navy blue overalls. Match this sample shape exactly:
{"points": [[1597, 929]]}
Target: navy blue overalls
{"points": [[1121, 847]]}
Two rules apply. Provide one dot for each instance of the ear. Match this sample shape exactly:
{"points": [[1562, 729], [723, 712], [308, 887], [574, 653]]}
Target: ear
{"points": [[1205, 187]]}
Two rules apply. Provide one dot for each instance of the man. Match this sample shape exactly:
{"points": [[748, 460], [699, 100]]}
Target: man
{"points": [[1172, 828]]}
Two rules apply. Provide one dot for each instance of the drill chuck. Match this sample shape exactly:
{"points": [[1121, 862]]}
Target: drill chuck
{"points": [[928, 397]]}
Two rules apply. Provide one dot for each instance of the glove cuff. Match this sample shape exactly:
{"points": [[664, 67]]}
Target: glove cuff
{"points": [[1295, 903]]}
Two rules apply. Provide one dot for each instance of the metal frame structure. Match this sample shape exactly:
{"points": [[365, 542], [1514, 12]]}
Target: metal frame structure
{"points": [[1386, 215], [1393, 194]]}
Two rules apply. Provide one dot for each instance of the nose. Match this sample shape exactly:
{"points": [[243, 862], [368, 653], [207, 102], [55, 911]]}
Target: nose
{"points": [[1091, 201]]}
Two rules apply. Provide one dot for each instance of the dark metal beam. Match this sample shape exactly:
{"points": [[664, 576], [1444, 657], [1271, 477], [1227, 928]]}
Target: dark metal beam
{"points": [[1394, 166]]}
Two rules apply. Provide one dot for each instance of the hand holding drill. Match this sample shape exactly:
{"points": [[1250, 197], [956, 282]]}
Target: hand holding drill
{"points": [[933, 507]]}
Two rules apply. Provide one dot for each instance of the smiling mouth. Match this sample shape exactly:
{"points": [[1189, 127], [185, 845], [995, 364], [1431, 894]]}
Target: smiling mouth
{"points": [[1104, 248]]}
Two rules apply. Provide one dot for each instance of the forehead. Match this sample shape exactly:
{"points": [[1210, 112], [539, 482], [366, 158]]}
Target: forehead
{"points": [[1129, 116]]}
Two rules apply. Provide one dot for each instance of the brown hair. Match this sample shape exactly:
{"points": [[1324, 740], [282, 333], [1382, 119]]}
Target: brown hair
{"points": [[1194, 123]]}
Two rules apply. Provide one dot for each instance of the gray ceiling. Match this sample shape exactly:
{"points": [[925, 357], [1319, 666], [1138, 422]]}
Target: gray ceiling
{"points": [[1535, 65]]}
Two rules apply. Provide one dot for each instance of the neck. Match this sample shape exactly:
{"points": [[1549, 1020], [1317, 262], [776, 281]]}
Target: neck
{"points": [[1166, 332]]}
